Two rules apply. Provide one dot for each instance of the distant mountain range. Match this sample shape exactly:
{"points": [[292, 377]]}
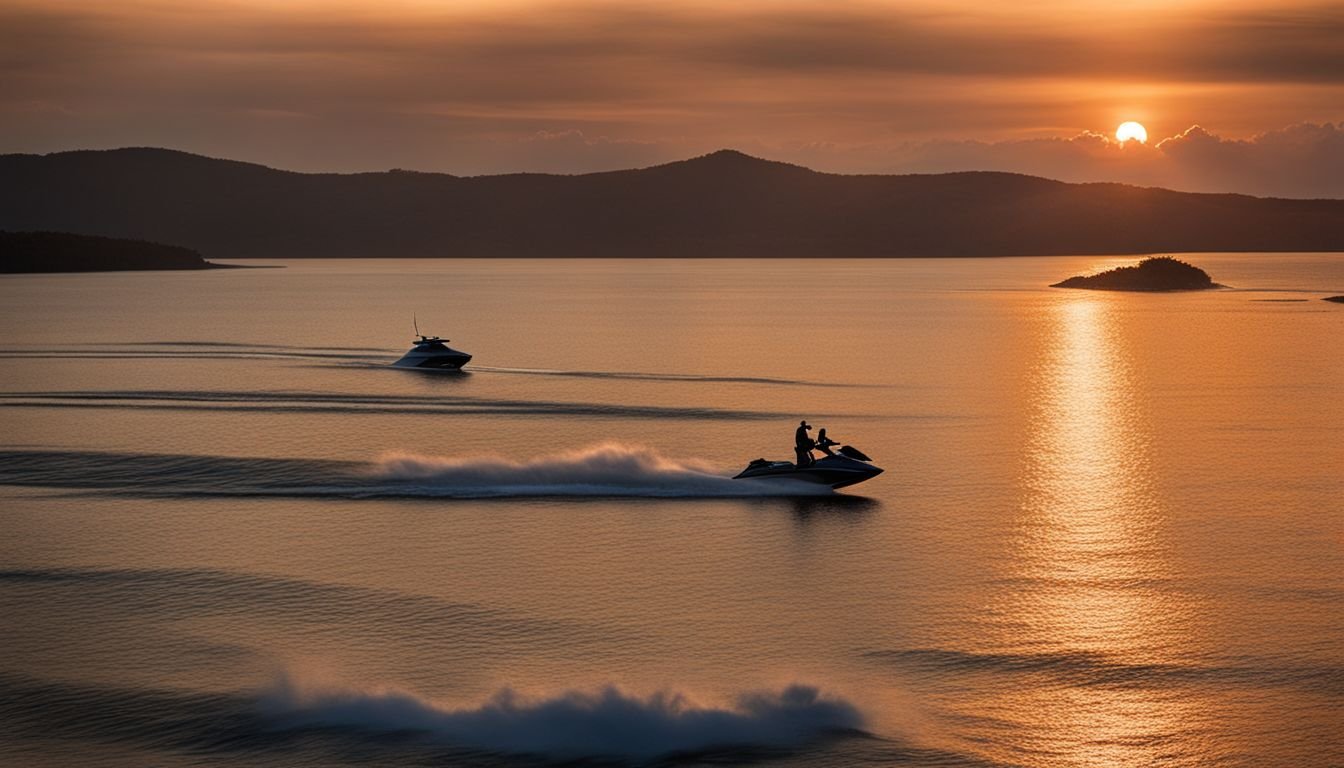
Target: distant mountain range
{"points": [[719, 205]]}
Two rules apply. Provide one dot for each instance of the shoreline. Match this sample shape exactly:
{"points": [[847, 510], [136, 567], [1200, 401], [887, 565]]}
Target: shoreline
{"points": [[209, 265]]}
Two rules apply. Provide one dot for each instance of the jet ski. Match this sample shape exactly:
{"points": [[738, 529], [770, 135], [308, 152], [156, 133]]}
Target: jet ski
{"points": [[846, 467], [433, 353]]}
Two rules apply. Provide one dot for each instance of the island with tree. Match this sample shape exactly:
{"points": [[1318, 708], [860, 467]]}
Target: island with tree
{"points": [[29, 252], [1160, 273]]}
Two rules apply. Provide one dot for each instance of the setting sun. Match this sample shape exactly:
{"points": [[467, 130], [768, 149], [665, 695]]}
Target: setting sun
{"points": [[1132, 130]]}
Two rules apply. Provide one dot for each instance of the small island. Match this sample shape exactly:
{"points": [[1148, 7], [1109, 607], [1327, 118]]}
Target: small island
{"points": [[1336, 299], [1161, 273], [33, 252]]}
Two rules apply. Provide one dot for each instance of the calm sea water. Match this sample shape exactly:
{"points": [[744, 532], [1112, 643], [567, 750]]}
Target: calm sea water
{"points": [[1110, 531]]}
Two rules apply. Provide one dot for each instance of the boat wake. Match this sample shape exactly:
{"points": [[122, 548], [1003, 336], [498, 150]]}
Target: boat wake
{"points": [[667, 377], [373, 358], [352, 404], [605, 470], [199, 350], [608, 469]]}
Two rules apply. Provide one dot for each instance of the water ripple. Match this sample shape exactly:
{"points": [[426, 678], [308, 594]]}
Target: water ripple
{"points": [[1088, 669]]}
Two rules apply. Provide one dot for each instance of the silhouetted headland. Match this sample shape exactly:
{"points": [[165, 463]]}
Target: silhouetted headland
{"points": [[63, 252], [1162, 273], [725, 204], [1338, 299]]}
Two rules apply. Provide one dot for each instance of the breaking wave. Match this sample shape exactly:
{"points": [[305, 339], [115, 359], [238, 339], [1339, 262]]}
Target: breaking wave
{"points": [[607, 722], [609, 469], [295, 723]]}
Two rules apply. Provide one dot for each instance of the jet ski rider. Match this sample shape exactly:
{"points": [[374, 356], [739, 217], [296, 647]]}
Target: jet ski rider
{"points": [[825, 443], [802, 444]]}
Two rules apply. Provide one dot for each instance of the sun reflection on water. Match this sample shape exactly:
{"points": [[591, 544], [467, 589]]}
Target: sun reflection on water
{"points": [[1089, 506], [1089, 555]]}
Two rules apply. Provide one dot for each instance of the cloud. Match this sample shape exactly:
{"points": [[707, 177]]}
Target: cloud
{"points": [[606, 722], [619, 44], [1302, 160], [1305, 160], [569, 86]]}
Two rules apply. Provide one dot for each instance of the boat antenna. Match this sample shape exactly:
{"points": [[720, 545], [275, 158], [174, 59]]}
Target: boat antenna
{"points": [[415, 323]]}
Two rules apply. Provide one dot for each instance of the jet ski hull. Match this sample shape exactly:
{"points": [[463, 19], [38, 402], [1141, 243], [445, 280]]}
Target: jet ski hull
{"points": [[833, 471]]}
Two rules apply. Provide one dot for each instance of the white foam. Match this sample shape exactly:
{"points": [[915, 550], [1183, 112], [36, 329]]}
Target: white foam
{"points": [[604, 722], [608, 469]]}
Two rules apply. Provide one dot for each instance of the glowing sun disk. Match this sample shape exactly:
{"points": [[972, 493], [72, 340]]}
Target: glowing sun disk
{"points": [[1131, 130]]}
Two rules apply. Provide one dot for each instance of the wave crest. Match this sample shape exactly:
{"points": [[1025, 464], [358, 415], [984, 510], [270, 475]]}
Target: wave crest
{"points": [[607, 722]]}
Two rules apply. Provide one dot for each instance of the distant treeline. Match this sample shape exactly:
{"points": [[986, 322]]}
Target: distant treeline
{"points": [[725, 204], [63, 252]]}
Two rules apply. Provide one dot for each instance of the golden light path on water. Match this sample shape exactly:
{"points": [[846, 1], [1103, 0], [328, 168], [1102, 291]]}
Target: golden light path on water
{"points": [[1088, 539]]}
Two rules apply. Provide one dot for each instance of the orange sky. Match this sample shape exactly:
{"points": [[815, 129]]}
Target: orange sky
{"points": [[483, 87]]}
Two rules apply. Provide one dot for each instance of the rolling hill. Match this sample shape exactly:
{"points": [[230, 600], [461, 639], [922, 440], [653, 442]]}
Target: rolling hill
{"points": [[719, 205]]}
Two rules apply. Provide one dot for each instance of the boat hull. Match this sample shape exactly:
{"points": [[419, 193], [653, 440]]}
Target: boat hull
{"points": [[833, 471], [432, 362]]}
